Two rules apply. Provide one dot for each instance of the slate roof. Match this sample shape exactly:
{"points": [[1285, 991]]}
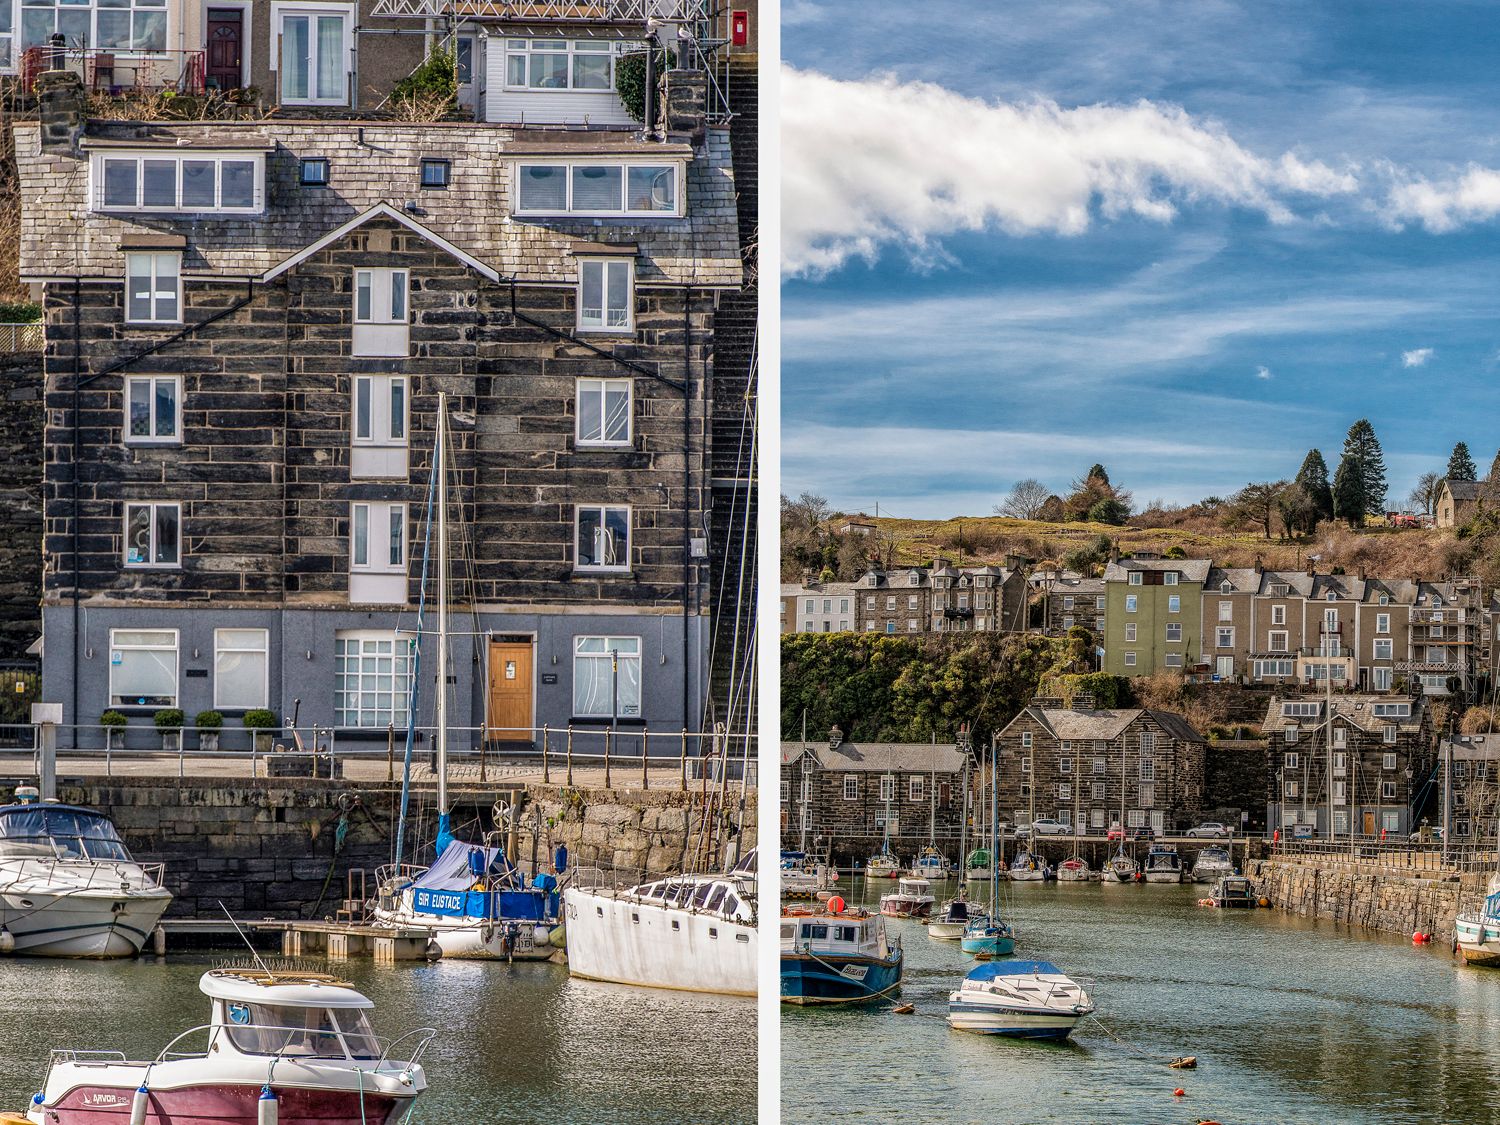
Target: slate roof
{"points": [[1463, 489], [1355, 710], [1192, 570], [372, 163], [880, 757], [1073, 723]]}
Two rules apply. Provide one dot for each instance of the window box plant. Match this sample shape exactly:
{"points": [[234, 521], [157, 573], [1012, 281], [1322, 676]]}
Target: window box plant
{"points": [[113, 723], [169, 721], [262, 722], [208, 724]]}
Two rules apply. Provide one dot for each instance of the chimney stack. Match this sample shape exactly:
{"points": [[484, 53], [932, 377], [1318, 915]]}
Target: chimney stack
{"points": [[685, 107], [835, 738], [60, 107], [1260, 565], [1311, 571]]}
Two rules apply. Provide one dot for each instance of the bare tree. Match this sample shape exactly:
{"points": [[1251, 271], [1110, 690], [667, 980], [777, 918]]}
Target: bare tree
{"points": [[1424, 496], [1025, 500]]}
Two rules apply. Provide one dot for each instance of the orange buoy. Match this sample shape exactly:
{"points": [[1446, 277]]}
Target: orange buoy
{"points": [[835, 905], [1179, 1092]]}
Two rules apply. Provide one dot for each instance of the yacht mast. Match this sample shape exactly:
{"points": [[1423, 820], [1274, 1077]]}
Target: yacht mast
{"points": [[441, 457]]}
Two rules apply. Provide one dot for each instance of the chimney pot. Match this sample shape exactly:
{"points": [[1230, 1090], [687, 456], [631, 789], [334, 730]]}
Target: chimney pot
{"points": [[835, 737]]}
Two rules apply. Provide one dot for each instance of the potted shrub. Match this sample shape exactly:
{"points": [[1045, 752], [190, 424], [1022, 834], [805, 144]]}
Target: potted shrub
{"points": [[208, 724], [263, 723], [113, 723], [169, 721]]}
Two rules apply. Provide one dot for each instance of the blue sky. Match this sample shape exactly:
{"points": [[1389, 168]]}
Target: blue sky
{"points": [[1188, 240]]}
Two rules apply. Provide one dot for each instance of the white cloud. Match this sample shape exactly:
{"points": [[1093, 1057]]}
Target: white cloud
{"points": [[1262, 372], [1445, 205], [1416, 357], [878, 161]]}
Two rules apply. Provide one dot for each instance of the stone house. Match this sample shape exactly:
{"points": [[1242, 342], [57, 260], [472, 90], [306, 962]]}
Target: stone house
{"points": [[1153, 615], [242, 383], [846, 796], [1469, 788], [1072, 600], [1094, 768], [943, 599], [1457, 501], [1364, 757]]}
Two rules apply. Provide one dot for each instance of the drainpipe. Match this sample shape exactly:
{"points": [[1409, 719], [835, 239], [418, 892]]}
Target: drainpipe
{"points": [[77, 398], [687, 491]]}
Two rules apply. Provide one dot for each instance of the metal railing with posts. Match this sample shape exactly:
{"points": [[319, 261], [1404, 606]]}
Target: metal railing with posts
{"points": [[1402, 855], [636, 758], [16, 336], [115, 71]]}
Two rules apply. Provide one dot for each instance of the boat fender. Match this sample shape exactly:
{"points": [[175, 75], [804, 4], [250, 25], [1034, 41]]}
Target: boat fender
{"points": [[7, 941], [835, 905], [1179, 1093], [904, 1010], [268, 1109], [558, 938], [139, 1104]]}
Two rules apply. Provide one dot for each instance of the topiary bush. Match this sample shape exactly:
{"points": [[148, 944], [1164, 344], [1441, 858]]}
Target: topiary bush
{"points": [[170, 718]]}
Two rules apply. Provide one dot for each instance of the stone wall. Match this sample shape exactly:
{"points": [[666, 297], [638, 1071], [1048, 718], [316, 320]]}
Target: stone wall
{"points": [[1388, 900], [271, 848], [21, 422], [1237, 778]]}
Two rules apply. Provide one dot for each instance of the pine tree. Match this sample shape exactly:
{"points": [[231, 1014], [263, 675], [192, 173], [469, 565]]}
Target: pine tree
{"points": [[1348, 493], [1460, 464], [1362, 450], [1313, 478]]}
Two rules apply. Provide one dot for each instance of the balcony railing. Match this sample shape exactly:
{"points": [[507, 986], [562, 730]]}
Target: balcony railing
{"points": [[548, 11], [118, 71]]}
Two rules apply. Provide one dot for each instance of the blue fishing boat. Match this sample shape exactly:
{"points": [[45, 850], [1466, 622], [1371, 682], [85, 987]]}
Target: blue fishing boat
{"points": [[830, 955], [1020, 999]]}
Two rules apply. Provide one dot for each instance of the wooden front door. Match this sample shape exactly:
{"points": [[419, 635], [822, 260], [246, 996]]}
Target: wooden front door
{"points": [[225, 39], [510, 717], [1369, 823]]}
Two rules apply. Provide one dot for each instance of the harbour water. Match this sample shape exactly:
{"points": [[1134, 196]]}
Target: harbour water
{"points": [[521, 1043], [1291, 1021]]}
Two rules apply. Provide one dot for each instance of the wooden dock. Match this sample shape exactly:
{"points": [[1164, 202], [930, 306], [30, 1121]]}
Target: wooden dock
{"points": [[298, 938]]}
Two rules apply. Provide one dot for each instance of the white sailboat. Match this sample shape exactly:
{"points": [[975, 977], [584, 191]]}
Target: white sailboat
{"points": [[68, 886], [472, 898]]}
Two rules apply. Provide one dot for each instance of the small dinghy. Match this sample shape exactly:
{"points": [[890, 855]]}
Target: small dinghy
{"points": [[1021, 999], [281, 1046], [1074, 870]]}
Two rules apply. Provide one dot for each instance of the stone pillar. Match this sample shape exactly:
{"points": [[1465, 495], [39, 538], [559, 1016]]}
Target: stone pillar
{"points": [[60, 103], [685, 106]]}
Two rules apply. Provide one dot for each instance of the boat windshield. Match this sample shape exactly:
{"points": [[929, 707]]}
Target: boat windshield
{"points": [[59, 833], [297, 1032]]}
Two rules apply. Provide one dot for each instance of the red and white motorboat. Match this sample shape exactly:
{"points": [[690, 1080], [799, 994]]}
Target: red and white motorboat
{"points": [[912, 899], [282, 1047]]}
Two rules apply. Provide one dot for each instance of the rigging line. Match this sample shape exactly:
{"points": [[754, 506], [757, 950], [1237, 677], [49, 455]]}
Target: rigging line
{"points": [[414, 672]]}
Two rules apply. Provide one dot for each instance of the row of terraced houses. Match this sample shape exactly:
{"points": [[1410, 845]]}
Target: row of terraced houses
{"points": [[249, 323]]}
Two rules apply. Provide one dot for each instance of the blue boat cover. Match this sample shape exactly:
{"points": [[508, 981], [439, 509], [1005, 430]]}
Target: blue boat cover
{"points": [[451, 870], [1492, 906], [993, 969]]}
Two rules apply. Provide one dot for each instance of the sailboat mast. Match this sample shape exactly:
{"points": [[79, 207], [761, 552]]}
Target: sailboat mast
{"points": [[441, 456]]}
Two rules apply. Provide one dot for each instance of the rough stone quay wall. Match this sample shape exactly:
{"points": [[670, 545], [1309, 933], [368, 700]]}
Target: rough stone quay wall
{"points": [[269, 848], [21, 422], [1387, 901]]}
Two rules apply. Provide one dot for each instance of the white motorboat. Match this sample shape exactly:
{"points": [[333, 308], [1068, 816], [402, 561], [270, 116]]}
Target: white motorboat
{"points": [[1163, 864], [1121, 868], [950, 923], [1477, 933], [912, 899], [68, 886], [1074, 870], [1023, 999], [1028, 868], [476, 905], [690, 932], [882, 866], [301, 1042], [1211, 865], [930, 864]]}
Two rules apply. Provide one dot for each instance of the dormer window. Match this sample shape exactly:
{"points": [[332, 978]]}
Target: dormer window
{"points": [[1135, 578], [560, 64], [914, 579], [597, 188], [1224, 587], [178, 182], [1385, 599], [1169, 578]]}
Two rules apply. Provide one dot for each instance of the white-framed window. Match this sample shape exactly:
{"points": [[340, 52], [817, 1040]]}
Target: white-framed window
{"points": [[1390, 821], [604, 414], [153, 534], [597, 188], [1224, 638], [1135, 578], [916, 789], [1096, 818], [143, 667], [153, 409], [1174, 603], [1064, 791], [1277, 641], [371, 677], [1340, 764], [1065, 816], [1383, 648], [1169, 578], [1148, 795], [1148, 769], [1388, 761], [377, 535], [605, 294], [1130, 660], [380, 409], [316, 53], [1068, 602], [1392, 710], [242, 668], [1101, 766], [913, 625], [913, 601], [1067, 622], [1382, 622], [607, 677], [1390, 732], [1226, 611], [786, 792], [1098, 790], [201, 182], [1130, 631], [1148, 742], [1065, 765], [380, 296], [1174, 633], [562, 64], [914, 578], [602, 539], [1291, 761], [887, 787], [1290, 733], [851, 787], [1291, 789], [1278, 615], [1130, 603], [133, 25], [1025, 765], [1025, 740], [1338, 791], [1099, 603], [1380, 679], [1388, 790], [1135, 818], [153, 288]]}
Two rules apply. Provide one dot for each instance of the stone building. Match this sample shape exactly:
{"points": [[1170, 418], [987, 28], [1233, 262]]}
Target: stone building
{"points": [[1376, 750], [1070, 600], [248, 325], [845, 796], [943, 599], [1089, 767], [1469, 789], [1457, 501]]}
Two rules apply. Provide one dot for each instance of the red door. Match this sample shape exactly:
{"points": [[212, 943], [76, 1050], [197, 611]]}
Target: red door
{"points": [[225, 33]]}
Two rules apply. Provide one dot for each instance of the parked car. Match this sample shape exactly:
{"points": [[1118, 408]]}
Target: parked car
{"points": [[1144, 832], [1116, 831], [1043, 826], [1427, 834], [1209, 828]]}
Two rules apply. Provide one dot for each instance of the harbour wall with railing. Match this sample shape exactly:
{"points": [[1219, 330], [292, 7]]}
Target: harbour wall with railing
{"points": [[296, 847], [1396, 890]]}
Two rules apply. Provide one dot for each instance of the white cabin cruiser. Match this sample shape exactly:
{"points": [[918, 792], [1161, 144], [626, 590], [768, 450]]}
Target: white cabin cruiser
{"points": [[68, 887], [1211, 865], [692, 932], [1023, 999], [912, 898], [302, 1041], [477, 905]]}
